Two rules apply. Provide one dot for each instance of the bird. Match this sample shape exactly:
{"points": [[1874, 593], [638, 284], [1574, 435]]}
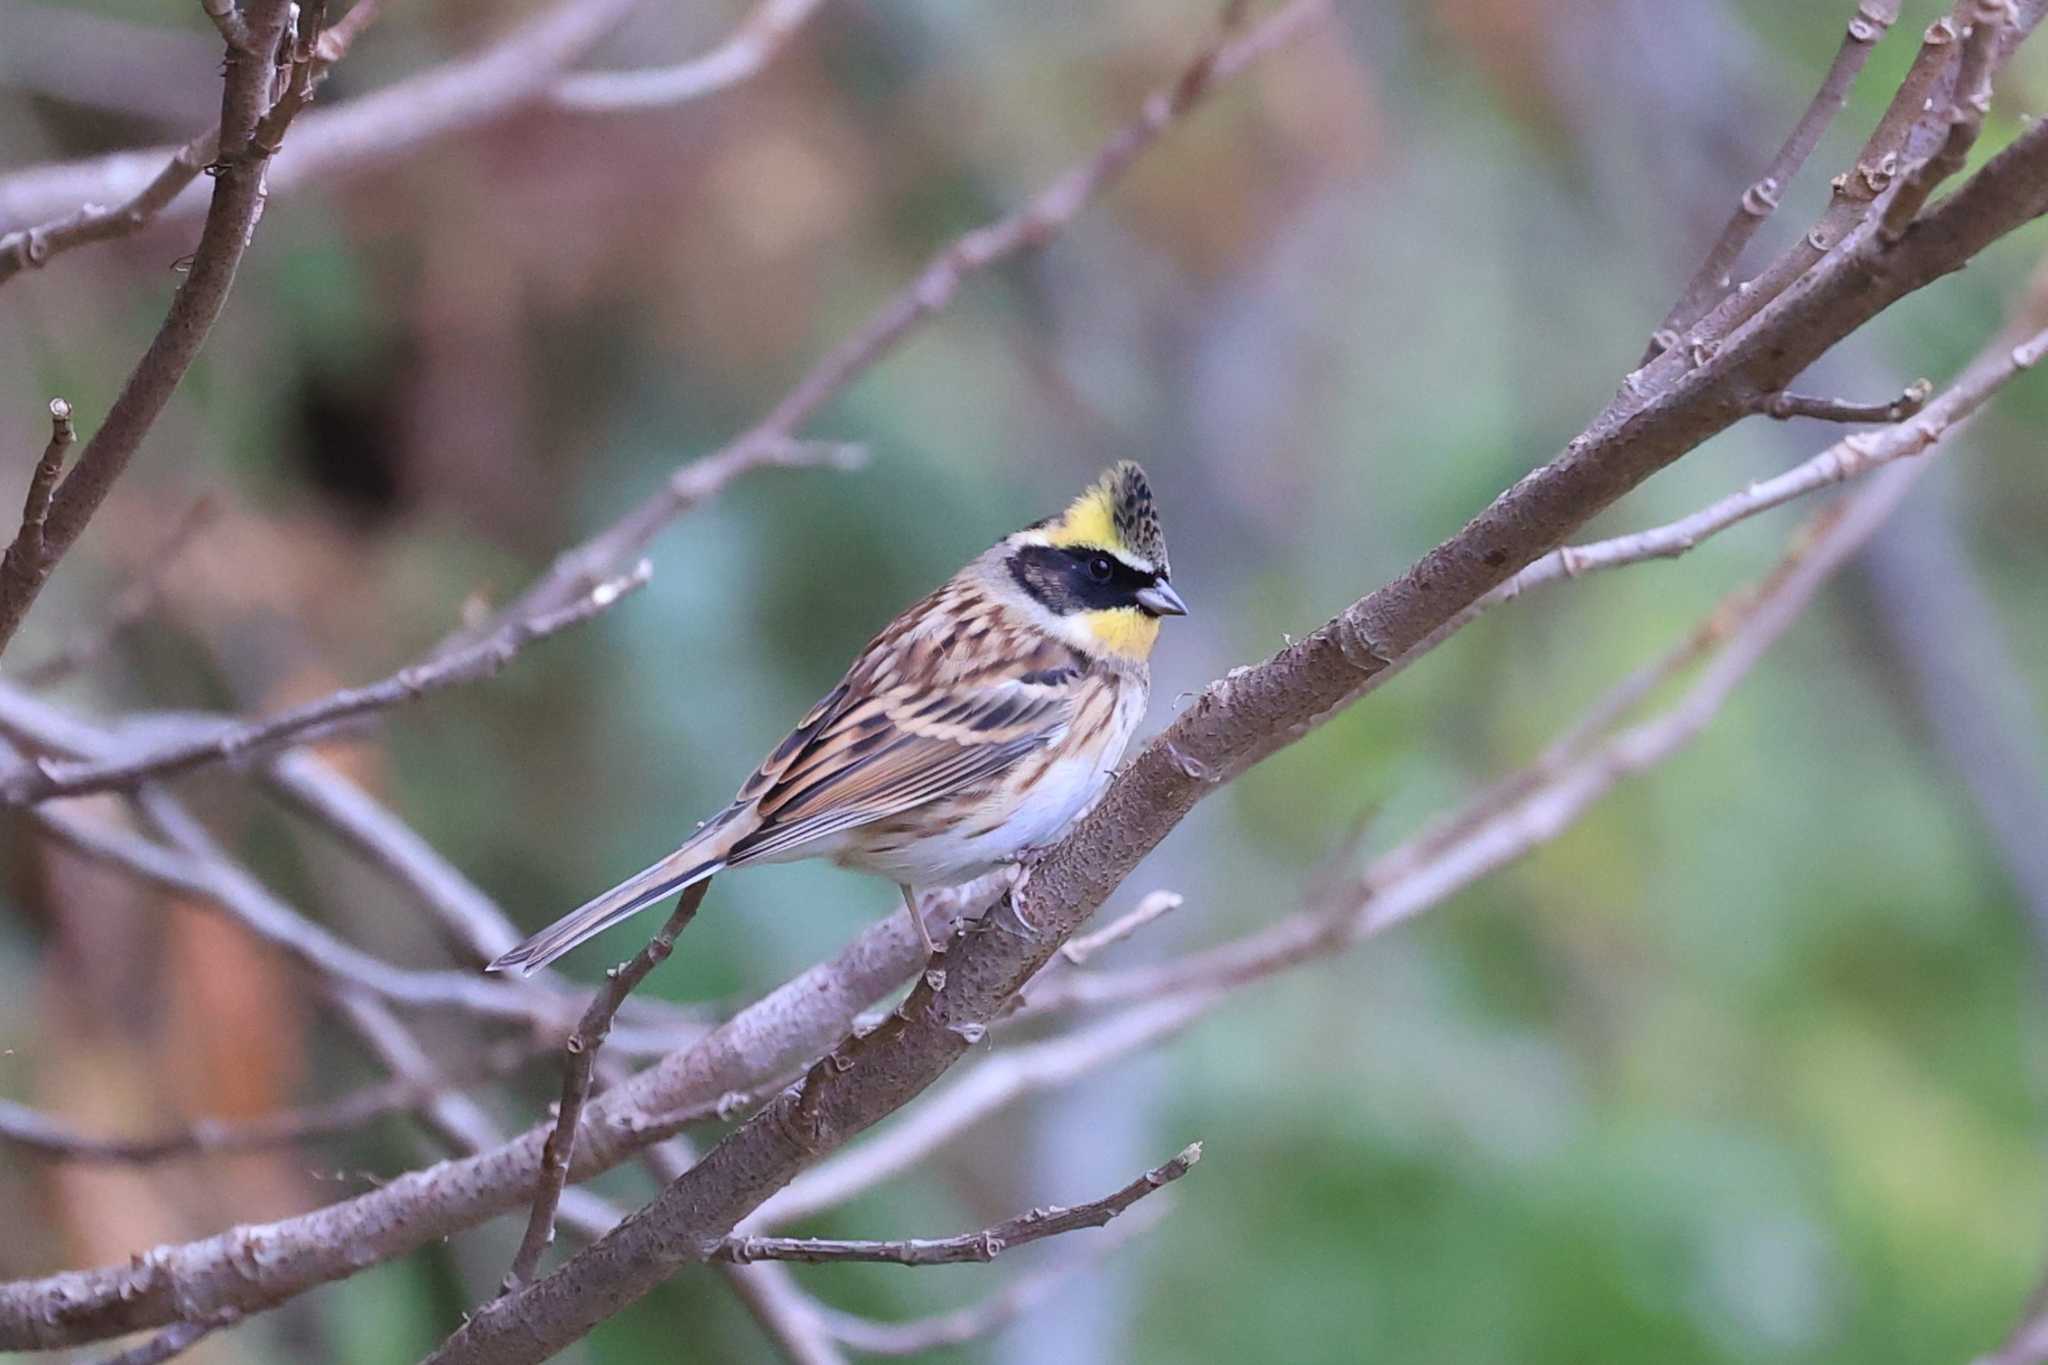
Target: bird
{"points": [[971, 733]]}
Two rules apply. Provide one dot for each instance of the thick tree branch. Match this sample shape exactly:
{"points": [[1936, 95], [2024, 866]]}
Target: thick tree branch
{"points": [[1003, 1079]]}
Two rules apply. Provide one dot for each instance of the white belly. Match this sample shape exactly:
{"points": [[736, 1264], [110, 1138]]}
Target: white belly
{"points": [[1041, 815]]}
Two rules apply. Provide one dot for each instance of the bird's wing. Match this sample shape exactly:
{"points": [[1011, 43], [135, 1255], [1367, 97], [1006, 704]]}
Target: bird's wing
{"points": [[881, 743]]}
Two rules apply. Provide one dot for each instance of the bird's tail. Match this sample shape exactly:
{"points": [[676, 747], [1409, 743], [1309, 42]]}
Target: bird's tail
{"points": [[687, 866]]}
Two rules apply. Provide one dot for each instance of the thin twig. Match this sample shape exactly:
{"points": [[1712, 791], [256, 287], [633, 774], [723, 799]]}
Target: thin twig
{"points": [[28, 1130], [750, 47], [28, 558], [1785, 405], [1028, 227], [231, 217], [997, 1310], [42, 779], [1866, 27], [1853, 192], [1003, 1079], [1969, 102], [560, 1150], [792, 1320], [33, 246], [1081, 947], [1844, 460], [985, 1245]]}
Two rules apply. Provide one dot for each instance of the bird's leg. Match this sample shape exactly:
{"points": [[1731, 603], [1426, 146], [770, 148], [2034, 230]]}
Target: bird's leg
{"points": [[1020, 874], [917, 921]]}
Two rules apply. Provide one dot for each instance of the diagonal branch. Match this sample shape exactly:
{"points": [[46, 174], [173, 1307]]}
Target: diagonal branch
{"points": [[1969, 101], [560, 1149], [27, 1130], [1026, 228], [985, 1245], [231, 216], [150, 185], [28, 558], [1866, 28], [751, 47], [962, 1325], [1906, 120], [42, 779]]}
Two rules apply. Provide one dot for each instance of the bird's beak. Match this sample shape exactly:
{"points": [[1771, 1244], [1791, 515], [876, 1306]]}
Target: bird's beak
{"points": [[1161, 600]]}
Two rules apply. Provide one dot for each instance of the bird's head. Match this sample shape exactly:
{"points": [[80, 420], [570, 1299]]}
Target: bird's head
{"points": [[1099, 568]]}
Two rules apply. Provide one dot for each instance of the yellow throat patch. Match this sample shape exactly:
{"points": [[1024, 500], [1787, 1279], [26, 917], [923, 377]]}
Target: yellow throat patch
{"points": [[1123, 631]]}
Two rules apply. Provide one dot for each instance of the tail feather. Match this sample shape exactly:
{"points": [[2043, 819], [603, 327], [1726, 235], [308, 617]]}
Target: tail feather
{"points": [[685, 867]]}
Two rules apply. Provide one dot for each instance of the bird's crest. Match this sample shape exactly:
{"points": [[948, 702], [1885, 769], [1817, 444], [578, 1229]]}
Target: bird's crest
{"points": [[1116, 513]]}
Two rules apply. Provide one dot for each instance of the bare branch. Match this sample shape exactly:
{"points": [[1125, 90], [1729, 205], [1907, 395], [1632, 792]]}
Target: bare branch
{"points": [[28, 558], [1786, 405], [1866, 28], [33, 246], [991, 1314], [231, 215], [559, 1150], [42, 779], [985, 1245], [792, 1320], [1969, 102], [1028, 227], [750, 48], [2028, 1342], [1081, 947], [1854, 191], [1004, 1078], [453, 98], [1844, 460], [27, 1130]]}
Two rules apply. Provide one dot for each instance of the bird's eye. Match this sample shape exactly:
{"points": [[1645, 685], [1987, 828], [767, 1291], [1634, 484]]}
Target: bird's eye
{"points": [[1101, 568]]}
